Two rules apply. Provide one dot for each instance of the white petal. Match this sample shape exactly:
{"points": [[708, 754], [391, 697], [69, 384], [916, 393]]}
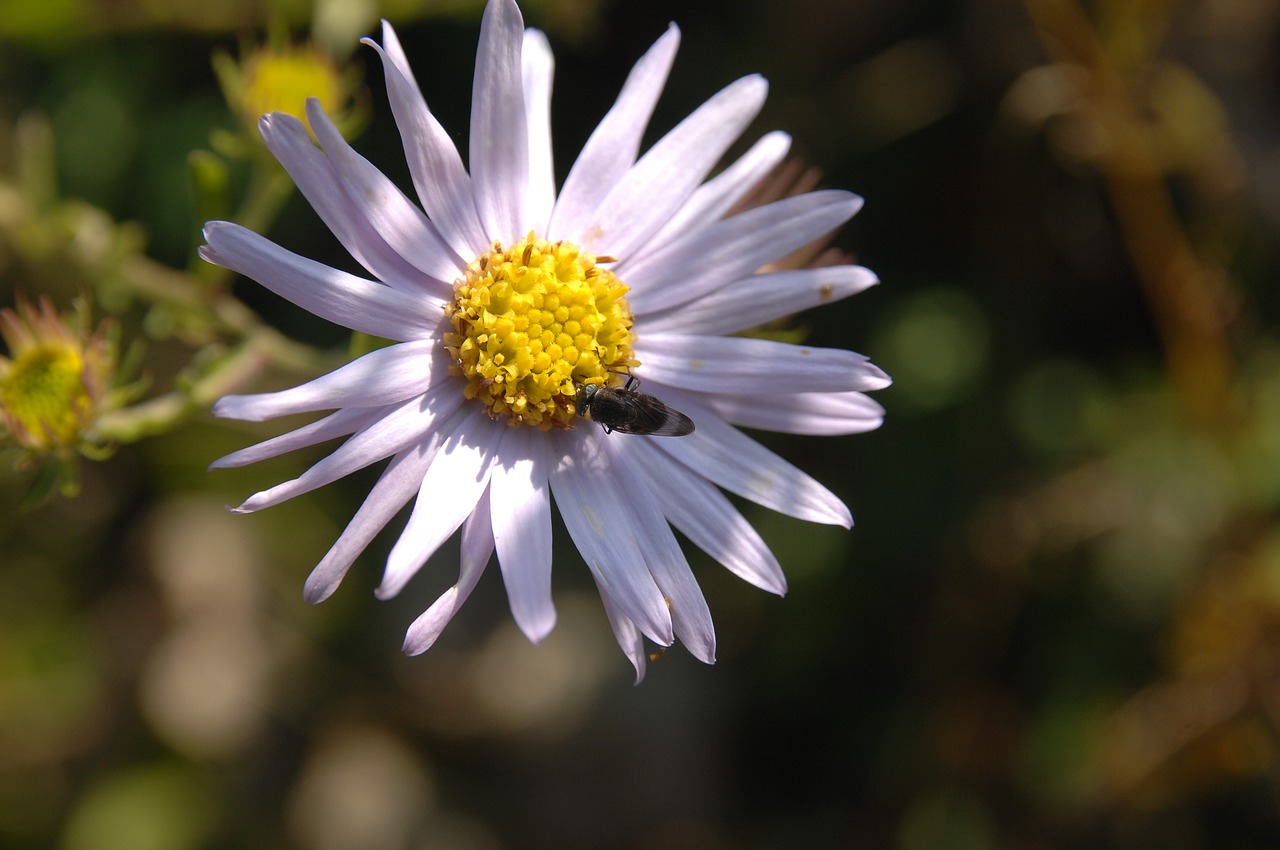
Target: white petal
{"points": [[597, 515], [477, 547], [655, 188], [628, 636], [458, 476], [730, 364], [707, 517], [381, 377], [690, 616], [713, 199], [759, 299], [520, 499], [394, 429], [395, 52], [341, 298], [397, 484], [334, 425], [723, 454], [613, 146], [815, 414], [318, 180], [539, 70], [732, 249], [443, 186], [499, 129], [393, 216]]}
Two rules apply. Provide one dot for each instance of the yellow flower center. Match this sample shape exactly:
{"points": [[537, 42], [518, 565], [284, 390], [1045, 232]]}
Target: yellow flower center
{"points": [[533, 323], [44, 394]]}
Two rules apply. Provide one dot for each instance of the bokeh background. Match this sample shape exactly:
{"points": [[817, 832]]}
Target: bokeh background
{"points": [[1056, 623]]}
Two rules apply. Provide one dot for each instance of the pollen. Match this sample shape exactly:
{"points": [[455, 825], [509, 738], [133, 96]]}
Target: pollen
{"points": [[534, 322]]}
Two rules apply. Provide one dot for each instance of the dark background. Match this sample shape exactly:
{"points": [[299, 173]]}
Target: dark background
{"points": [[1053, 626]]}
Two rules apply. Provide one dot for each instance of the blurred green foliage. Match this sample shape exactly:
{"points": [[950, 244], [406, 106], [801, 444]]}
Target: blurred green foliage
{"points": [[1056, 624]]}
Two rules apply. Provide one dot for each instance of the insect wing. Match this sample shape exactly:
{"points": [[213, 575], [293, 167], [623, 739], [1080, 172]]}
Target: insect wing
{"points": [[648, 415]]}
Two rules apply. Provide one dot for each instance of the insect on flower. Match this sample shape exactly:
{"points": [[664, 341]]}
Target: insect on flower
{"points": [[629, 411]]}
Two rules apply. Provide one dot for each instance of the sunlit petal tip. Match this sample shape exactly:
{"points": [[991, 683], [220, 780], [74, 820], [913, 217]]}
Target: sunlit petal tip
{"points": [[509, 11], [272, 123], [319, 588], [426, 630], [754, 86], [314, 592], [875, 378], [539, 630], [414, 645], [638, 661], [387, 591], [236, 407], [866, 277], [703, 649]]}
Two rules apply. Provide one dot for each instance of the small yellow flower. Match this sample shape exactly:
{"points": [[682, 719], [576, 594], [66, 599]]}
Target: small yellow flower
{"points": [[55, 382], [278, 76]]}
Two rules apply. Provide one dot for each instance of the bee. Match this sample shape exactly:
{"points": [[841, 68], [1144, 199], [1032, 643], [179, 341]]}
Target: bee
{"points": [[629, 411]]}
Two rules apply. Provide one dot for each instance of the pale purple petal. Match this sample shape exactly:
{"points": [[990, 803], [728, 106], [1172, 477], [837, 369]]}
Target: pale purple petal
{"points": [[539, 69], [317, 178], [655, 188], [520, 500], [339, 424], [499, 128], [822, 414], [477, 547], [395, 52], [453, 485], [341, 298], [727, 364], [442, 182], [613, 146], [690, 616], [598, 517], [756, 300], [716, 197], [394, 217], [731, 249], [707, 517], [383, 376], [731, 459], [625, 631], [393, 429], [399, 481]]}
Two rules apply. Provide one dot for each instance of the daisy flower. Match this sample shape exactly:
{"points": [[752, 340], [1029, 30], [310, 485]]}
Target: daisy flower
{"points": [[508, 302]]}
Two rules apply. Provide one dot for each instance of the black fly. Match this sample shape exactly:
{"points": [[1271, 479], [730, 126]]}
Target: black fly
{"points": [[629, 411]]}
